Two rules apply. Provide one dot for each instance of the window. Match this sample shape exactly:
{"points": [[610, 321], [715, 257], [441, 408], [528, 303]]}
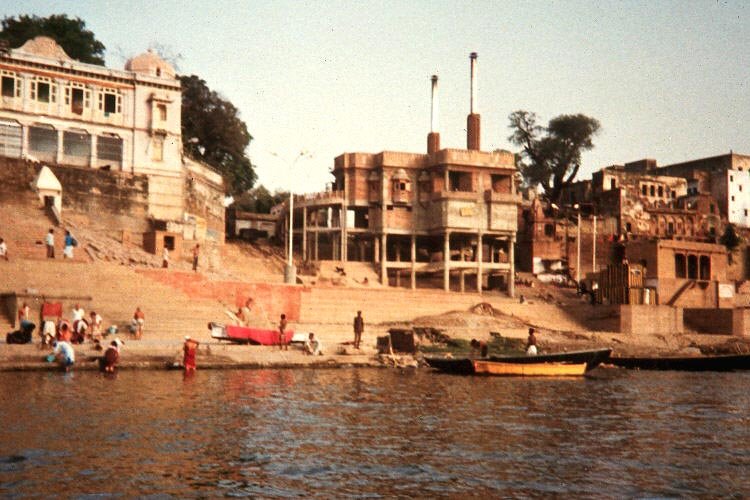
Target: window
{"points": [[11, 86], [157, 148], [732, 197], [705, 267], [42, 90], [731, 178], [661, 192], [43, 141], [77, 97], [76, 144], [612, 184], [500, 183], [161, 110], [653, 190], [460, 181], [670, 228], [712, 208], [109, 148], [740, 186], [110, 102], [10, 139], [549, 230], [679, 265], [628, 227], [644, 190], [746, 212], [692, 267]]}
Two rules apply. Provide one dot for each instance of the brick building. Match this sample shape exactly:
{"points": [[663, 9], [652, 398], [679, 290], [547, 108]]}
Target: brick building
{"points": [[448, 216]]}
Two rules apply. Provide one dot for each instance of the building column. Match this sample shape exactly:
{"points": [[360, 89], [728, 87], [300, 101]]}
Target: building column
{"points": [[462, 280], [512, 262], [383, 259], [24, 141], [344, 236], [59, 157], [317, 244], [376, 249], [413, 261], [304, 234], [94, 143], [446, 261], [479, 262]]}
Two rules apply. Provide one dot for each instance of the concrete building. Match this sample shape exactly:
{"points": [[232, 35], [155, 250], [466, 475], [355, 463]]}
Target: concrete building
{"points": [[440, 218], [58, 111]]}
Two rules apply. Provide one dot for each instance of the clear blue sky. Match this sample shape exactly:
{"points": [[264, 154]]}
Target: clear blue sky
{"points": [[667, 80]]}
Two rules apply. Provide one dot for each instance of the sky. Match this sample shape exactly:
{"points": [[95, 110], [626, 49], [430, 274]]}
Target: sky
{"points": [[312, 80]]}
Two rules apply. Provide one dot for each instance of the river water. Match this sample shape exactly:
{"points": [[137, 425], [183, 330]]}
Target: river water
{"points": [[373, 433]]}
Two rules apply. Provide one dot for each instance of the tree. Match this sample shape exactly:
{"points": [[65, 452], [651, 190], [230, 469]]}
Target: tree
{"points": [[213, 132], [71, 34], [551, 155], [731, 240], [260, 200]]}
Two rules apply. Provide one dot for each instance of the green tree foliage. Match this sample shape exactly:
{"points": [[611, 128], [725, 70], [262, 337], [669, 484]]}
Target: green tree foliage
{"points": [[551, 155], [731, 240], [71, 34], [213, 132], [260, 200]]}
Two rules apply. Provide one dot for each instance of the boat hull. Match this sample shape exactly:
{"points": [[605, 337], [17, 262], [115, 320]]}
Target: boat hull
{"points": [[722, 363], [560, 364], [249, 335], [529, 369]]}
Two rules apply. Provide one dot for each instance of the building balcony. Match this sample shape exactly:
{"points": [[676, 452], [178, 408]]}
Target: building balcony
{"points": [[319, 198], [493, 197]]}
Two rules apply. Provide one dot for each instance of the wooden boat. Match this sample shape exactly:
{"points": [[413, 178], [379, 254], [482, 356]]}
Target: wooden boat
{"points": [[248, 335], [559, 364], [719, 363]]}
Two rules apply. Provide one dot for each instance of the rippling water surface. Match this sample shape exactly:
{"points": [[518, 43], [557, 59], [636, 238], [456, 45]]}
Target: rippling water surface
{"points": [[373, 433]]}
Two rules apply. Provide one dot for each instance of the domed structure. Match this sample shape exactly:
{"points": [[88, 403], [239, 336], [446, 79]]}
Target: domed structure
{"points": [[150, 64], [46, 47]]}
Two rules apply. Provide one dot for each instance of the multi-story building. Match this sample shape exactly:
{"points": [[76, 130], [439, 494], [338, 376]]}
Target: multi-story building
{"points": [[58, 110], [55, 110], [448, 215], [726, 177]]}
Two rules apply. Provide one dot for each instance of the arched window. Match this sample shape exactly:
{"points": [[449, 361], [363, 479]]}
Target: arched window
{"points": [[680, 270]]}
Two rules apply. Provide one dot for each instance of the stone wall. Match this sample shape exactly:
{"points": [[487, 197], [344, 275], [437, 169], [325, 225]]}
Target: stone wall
{"points": [[741, 321], [709, 320], [651, 319], [113, 201]]}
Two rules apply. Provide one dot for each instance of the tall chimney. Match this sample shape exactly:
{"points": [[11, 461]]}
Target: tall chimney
{"points": [[473, 128], [433, 138]]}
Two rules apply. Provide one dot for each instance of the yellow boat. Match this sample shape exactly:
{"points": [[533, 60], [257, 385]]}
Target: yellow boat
{"points": [[528, 369]]}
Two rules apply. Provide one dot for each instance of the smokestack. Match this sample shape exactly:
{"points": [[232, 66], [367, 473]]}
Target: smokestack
{"points": [[472, 121], [433, 138]]}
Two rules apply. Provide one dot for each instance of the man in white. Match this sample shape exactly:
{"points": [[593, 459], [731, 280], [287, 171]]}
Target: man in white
{"points": [[78, 313], [313, 346], [96, 326], [48, 332]]}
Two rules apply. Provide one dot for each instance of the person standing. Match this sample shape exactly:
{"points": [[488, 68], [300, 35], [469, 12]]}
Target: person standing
{"points": [[189, 350], [165, 258], [139, 319], [3, 250], [359, 328], [531, 349], [24, 313], [196, 254], [96, 326], [282, 333], [69, 243], [49, 241]]}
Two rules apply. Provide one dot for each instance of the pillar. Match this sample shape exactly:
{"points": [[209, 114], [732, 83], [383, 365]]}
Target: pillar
{"points": [[304, 234], [413, 261], [92, 156], [383, 259], [376, 249], [317, 243], [59, 157], [344, 236], [446, 262], [462, 280], [512, 261], [24, 140], [479, 262]]}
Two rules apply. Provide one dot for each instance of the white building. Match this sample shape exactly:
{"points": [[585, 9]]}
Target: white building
{"points": [[55, 109], [738, 197]]}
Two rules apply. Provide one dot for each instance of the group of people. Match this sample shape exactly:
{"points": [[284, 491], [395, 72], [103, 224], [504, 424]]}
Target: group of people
{"points": [[69, 243]]}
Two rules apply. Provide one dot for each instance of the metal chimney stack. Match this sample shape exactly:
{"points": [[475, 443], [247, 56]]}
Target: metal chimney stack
{"points": [[433, 138], [473, 127]]}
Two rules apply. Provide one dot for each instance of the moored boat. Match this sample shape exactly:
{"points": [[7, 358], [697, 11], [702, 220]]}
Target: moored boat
{"points": [[559, 364], [718, 363], [248, 335]]}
